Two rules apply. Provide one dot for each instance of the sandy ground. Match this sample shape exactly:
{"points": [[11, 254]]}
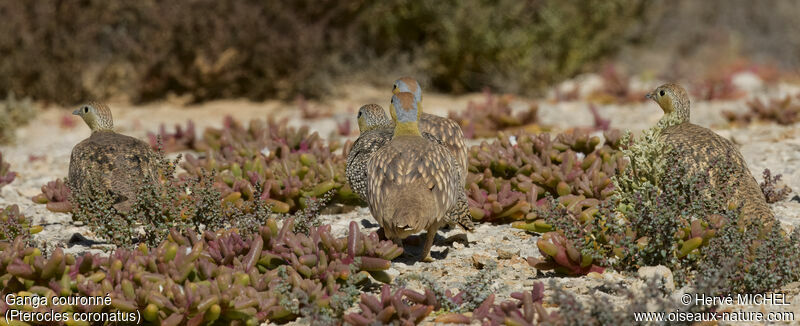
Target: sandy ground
{"points": [[41, 154]]}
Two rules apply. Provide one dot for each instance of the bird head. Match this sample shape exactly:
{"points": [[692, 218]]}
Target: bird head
{"points": [[405, 113], [96, 115], [371, 116], [410, 85], [673, 100]]}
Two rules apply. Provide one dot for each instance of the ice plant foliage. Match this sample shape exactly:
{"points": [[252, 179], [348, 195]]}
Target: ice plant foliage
{"points": [[192, 279], [6, 175], [495, 114]]}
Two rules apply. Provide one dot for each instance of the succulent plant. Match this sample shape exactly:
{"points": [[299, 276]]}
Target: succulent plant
{"points": [[288, 164], [274, 275], [471, 293], [506, 177], [562, 256], [473, 302], [177, 141], [784, 111], [525, 309], [657, 215], [408, 307], [13, 224], [402, 307], [56, 194], [600, 123], [485, 119], [6, 175], [511, 175], [660, 215], [202, 200]]}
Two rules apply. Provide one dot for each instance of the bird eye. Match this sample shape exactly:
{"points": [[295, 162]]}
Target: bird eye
{"points": [[394, 87], [85, 109], [359, 114], [661, 93]]}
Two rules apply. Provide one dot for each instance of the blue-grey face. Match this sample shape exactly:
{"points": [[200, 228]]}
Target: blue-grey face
{"points": [[401, 86], [405, 107]]}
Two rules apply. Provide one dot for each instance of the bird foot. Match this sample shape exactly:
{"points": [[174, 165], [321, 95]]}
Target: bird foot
{"points": [[460, 237], [427, 258]]}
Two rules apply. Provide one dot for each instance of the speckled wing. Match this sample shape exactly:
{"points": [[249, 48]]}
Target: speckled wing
{"points": [[363, 148], [85, 162], [451, 135], [122, 163], [412, 173], [699, 147], [459, 214]]}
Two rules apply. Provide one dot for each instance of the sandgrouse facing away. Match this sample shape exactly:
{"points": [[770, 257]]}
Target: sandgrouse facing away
{"points": [[699, 147], [442, 128], [120, 163], [412, 183], [376, 131]]}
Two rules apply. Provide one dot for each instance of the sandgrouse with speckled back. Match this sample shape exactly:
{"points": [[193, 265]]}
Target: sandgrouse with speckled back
{"points": [[700, 147], [447, 130], [120, 163], [412, 183], [376, 131]]}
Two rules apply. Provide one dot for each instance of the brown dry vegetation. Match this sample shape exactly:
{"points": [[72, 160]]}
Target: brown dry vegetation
{"points": [[140, 51], [69, 51]]}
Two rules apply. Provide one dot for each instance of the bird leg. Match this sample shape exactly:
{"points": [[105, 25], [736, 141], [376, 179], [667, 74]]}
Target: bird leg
{"points": [[429, 236]]}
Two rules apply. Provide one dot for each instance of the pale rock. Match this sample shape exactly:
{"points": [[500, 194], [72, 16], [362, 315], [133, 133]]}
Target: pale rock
{"points": [[648, 272]]}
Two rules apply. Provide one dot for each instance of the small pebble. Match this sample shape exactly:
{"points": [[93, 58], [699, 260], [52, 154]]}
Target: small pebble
{"points": [[505, 254]]}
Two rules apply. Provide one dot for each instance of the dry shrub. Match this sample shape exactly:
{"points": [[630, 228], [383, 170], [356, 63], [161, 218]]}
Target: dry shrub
{"points": [[511, 46], [143, 50], [772, 187]]}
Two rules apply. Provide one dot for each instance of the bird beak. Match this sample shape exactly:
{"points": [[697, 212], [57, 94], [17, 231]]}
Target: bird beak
{"points": [[77, 111], [649, 96]]}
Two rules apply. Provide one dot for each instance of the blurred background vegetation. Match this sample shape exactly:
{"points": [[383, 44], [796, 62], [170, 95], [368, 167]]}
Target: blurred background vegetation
{"points": [[68, 51]]}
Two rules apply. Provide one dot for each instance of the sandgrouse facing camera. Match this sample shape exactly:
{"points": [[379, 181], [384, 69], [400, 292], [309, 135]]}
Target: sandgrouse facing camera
{"points": [[413, 184], [699, 147], [120, 163]]}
